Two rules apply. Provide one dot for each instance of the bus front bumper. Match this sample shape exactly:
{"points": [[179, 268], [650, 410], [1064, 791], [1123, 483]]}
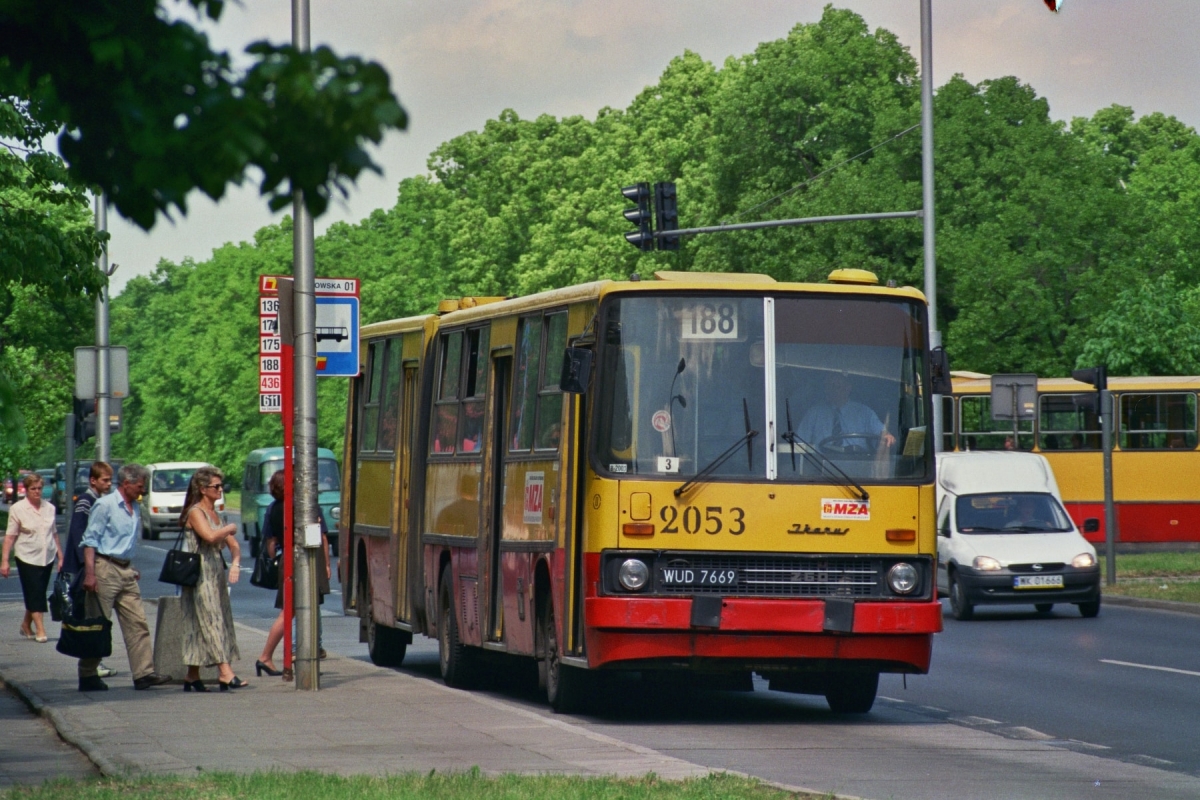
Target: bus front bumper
{"points": [[896, 635]]}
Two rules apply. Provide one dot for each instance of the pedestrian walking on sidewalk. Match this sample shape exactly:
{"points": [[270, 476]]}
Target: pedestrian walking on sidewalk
{"points": [[100, 478], [208, 635], [272, 543], [32, 540], [112, 582]]}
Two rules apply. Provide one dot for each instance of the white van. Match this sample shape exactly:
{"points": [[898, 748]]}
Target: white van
{"points": [[1004, 536], [166, 491]]}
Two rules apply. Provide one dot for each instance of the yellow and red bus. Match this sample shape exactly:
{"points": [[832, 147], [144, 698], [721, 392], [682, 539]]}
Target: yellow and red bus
{"points": [[686, 504], [1155, 455]]}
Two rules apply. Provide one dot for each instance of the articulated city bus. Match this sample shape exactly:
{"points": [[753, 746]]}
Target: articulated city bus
{"points": [[1155, 456], [714, 474]]}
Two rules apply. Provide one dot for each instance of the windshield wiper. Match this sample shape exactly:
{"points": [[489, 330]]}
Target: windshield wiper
{"points": [[823, 462], [747, 438]]}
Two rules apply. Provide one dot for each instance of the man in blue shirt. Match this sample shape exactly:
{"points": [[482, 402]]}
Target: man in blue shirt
{"points": [[112, 582], [831, 423], [100, 478]]}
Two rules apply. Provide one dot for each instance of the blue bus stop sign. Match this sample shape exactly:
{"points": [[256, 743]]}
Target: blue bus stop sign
{"points": [[337, 327]]}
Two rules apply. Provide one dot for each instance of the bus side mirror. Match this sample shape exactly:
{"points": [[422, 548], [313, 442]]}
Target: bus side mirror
{"points": [[576, 370], [939, 369], [1091, 525]]}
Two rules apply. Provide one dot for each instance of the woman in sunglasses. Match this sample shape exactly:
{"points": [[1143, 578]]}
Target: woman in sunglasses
{"points": [[32, 538], [208, 636]]}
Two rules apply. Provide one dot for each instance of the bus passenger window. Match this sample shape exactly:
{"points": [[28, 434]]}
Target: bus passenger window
{"points": [[389, 419], [1164, 421], [369, 417], [978, 431], [445, 410], [550, 400], [1068, 422], [525, 382]]}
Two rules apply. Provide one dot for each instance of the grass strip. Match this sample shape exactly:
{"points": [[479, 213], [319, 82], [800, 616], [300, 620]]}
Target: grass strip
{"points": [[1186, 591], [470, 785], [1155, 565]]}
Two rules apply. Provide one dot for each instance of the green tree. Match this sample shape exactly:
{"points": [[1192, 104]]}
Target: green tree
{"points": [[1153, 328], [150, 111]]}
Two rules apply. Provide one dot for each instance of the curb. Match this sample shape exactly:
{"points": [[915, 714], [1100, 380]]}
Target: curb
{"points": [[65, 731], [1160, 605]]}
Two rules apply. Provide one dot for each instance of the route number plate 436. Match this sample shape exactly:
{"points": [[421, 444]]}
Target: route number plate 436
{"points": [[1038, 582]]}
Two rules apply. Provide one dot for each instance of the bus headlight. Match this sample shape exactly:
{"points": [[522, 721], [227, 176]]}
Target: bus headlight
{"points": [[903, 578], [633, 574], [985, 564], [1083, 560]]}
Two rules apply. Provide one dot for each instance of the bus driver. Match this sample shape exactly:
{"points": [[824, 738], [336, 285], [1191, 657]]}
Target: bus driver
{"points": [[834, 421]]}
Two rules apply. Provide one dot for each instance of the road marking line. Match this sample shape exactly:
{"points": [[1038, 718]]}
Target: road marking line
{"points": [[977, 720], [1031, 734], [1078, 743], [1149, 666], [152, 547]]}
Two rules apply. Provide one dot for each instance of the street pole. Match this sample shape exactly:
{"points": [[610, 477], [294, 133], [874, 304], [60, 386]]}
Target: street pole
{"points": [[1110, 514], [935, 336], [103, 376], [67, 500], [305, 519]]}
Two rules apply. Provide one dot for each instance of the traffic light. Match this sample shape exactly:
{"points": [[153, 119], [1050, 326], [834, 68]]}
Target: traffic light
{"points": [[85, 420], [666, 215], [639, 215], [1096, 376]]}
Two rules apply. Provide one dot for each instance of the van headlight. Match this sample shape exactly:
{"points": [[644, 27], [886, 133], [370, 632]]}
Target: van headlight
{"points": [[1083, 560], [633, 574], [336, 513], [903, 578], [985, 564]]}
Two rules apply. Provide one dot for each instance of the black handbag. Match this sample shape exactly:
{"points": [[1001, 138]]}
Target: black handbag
{"points": [[86, 638], [266, 570], [180, 567], [60, 597]]}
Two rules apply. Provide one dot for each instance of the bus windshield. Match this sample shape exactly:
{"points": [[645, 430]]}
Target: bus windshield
{"points": [[813, 388]]}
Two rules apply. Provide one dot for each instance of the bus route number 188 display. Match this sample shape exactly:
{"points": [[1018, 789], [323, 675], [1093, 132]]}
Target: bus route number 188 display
{"points": [[709, 321]]}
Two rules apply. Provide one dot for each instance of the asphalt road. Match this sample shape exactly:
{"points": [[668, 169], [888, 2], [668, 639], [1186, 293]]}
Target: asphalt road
{"points": [[1121, 689]]}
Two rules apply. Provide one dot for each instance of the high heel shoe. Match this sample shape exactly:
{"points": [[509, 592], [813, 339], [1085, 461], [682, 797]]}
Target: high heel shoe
{"points": [[260, 668], [236, 683], [195, 686]]}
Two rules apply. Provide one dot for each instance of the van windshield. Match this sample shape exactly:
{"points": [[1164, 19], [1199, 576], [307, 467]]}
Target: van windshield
{"points": [[172, 480], [1011, 512]]}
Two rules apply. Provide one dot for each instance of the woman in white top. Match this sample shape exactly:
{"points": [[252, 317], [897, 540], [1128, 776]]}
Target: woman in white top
{"points": [[32, 538]]}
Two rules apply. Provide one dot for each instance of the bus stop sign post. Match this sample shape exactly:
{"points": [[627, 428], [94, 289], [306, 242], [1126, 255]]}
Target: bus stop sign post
{"points": [[1098, 377]]}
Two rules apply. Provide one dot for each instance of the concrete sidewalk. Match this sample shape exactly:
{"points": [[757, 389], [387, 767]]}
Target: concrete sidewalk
{"points": [[365, 720]]}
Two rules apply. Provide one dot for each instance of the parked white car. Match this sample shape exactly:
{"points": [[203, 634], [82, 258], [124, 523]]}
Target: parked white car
{"points": [[165, 494], [1004, 536]]}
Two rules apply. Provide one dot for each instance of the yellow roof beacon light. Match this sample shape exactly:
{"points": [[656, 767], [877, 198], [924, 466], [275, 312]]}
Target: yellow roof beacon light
{"points": [[862, 277]]}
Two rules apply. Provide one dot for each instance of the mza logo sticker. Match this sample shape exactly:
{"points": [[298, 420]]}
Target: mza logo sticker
{"points": [[535, 484], [845, 509]]}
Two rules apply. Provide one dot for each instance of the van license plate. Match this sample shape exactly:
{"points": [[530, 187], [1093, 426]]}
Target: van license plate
{"points": [[1038, 582]]}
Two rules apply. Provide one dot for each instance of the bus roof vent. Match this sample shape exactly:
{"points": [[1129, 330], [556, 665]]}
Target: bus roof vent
{"points": [[863, 277], [446, 306], [714, 277]]}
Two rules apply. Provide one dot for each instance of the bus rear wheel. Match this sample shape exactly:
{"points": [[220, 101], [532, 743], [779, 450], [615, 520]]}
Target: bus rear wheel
{"points": [[852, 693], [454, 657], [386, 646]]}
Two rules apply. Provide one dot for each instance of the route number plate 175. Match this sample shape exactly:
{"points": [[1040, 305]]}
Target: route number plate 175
{"points": [[1038, 582]]}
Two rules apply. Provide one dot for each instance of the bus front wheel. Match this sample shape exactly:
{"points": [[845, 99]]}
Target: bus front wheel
{"points": [[853, 693]]}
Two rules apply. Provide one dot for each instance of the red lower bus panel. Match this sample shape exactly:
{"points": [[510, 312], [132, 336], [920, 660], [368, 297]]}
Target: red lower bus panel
{"points": [[1143, 522], [628, 629]]}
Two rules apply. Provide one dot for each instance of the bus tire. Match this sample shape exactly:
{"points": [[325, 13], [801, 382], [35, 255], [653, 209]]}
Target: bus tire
{"points": [[852, 693], [960, 607], [1090, 609], [386, 646], [565, 686], [454, 658]]}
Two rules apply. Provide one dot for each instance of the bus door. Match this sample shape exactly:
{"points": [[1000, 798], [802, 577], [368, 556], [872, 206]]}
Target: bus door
{"points": [[404, 557], [492, 579]]}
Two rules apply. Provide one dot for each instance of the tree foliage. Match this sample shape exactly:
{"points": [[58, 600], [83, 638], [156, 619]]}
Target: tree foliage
{"points": [[1057, 244], [150, 111]]}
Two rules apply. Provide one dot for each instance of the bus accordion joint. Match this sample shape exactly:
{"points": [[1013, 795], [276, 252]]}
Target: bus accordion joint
{"points": [[638, 529], [901, 535]]}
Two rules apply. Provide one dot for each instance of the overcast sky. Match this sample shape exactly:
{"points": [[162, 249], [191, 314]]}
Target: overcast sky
{"points": [[457, 63]]}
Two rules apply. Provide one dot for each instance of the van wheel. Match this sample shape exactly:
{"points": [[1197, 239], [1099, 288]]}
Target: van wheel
{"points": [[386, 646], [1090, 609], [852, 693], [1044, 608], [454, 658], [959, 607]]}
